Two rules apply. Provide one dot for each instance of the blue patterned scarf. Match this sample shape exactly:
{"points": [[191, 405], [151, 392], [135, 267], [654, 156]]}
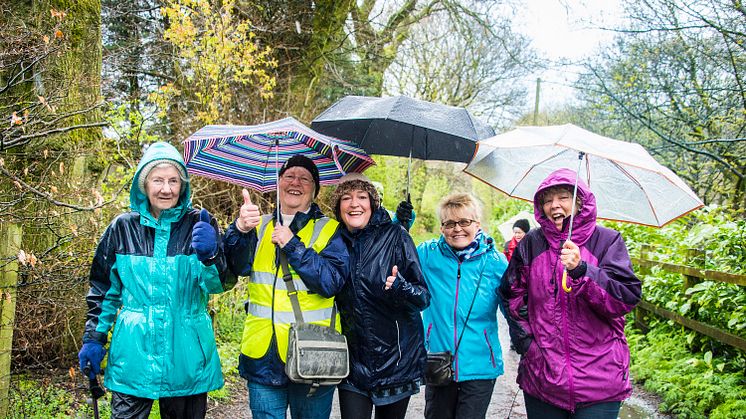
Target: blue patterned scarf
{"points": [[469, 250]]}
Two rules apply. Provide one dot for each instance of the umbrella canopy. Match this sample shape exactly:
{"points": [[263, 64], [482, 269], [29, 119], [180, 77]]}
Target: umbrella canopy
{"points": [[250, 155], [402, 126], [629, 184]]}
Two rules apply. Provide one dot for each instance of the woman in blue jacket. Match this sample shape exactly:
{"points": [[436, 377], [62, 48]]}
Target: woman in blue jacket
{"points": [[380, 306], [462, 270]]}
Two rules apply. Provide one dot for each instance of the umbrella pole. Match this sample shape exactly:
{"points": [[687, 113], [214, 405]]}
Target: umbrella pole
{"points": [[572, 217], [277, 179], [409, 173]]}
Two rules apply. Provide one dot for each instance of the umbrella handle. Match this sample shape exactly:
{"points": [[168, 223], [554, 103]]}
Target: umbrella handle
{"points": [[564, 281]]}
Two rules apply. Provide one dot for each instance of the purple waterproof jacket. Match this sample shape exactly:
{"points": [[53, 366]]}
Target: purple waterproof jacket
{"points": [[573, 347]]}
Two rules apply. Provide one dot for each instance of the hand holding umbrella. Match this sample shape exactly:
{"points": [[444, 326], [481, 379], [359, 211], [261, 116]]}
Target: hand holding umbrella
{"points": [[570, 259], [281, 235]]}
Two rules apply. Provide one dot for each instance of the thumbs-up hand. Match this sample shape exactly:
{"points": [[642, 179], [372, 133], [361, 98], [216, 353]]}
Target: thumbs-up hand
{"points": [[204, 237], [249, 216], [390, 279]]}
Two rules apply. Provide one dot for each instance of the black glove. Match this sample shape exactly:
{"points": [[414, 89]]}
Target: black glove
{"points": [[404, 213]]}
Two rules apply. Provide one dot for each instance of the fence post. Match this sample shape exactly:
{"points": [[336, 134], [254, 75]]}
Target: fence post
{"points": [[10, 243], [639, 316], [695, 258]]}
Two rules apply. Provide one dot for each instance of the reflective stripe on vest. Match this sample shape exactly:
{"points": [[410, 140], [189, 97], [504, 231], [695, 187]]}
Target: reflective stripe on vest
{"points": [[265, 288], [309, 316]]}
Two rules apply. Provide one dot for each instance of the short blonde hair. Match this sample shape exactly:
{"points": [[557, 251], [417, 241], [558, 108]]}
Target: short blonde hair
{"points": [[459, 202]]}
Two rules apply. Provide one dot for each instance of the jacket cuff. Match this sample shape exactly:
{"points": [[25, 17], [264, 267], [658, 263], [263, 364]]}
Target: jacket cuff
{"points": [[95, 337], [579, 271]]}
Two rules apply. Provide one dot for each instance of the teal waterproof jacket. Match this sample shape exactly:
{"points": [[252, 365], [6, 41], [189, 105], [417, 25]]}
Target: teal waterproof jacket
{"points": [[452, 284], [147, 283]]}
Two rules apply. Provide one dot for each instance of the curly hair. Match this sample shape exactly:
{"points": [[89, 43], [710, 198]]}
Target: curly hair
{"points": [[354, 185]]}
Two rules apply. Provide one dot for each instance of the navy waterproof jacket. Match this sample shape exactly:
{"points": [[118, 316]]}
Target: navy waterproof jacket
{"points": [[383, 327]]}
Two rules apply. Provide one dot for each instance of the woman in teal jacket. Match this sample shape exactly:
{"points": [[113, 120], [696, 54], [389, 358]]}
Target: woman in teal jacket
{"points": [[151, 278], [462, 270]]}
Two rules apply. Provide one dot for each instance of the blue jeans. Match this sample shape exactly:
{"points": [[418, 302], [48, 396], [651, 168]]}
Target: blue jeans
{"points": [[536, 408], [269, 402]]}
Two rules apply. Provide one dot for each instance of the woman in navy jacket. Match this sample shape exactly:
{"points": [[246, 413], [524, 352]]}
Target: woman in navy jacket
{"points": [[380, 307]]}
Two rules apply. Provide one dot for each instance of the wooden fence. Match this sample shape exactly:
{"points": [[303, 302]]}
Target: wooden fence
{"points": [[691, 275]]}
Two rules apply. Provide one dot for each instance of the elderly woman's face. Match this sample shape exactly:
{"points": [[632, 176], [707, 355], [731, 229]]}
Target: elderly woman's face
{"points": [[459, 228], [518, 234], [557, 205], [163, 186], [355, 209]]}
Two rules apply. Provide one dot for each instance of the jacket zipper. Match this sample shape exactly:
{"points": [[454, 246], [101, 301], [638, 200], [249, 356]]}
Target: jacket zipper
{"points": [[455, 322], [489, 345], [427, 338], [398, 342]]}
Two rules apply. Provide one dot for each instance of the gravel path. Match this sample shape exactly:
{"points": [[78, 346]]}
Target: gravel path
{"points": [[507, 400]]}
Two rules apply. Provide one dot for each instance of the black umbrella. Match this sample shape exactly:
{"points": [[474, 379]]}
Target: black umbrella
{"points": [[402, 126], [405, 127]]}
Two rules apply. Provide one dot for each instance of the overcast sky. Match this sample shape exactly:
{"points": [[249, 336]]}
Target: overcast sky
{"points": [[565, 29]]}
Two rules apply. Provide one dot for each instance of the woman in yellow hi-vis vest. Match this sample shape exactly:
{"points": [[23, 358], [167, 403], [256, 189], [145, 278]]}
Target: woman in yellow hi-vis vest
{"points": [[317, 259]]}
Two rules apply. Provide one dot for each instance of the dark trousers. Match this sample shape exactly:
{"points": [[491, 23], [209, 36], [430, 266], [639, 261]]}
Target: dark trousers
{"points": [[356, 406], [462, 400], [538, 409], [124, 406]]}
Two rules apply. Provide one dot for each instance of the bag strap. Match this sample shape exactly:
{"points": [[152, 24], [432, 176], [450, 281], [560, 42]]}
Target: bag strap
{"points": [[293, 294], [455, 351]]}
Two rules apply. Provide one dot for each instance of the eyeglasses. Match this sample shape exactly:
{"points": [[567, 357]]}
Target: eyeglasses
{"points": [[463, 223], [292, 178]]}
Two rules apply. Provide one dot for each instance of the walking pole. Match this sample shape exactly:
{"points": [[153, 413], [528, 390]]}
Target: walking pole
{"points": [[572, 217], [95, 388]]}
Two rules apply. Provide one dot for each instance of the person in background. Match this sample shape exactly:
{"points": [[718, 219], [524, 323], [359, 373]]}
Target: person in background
{"points": [[380, 307], [520, 228], [404, 214], [574, 355], [318, 258], [152, 274], [462, 270]]}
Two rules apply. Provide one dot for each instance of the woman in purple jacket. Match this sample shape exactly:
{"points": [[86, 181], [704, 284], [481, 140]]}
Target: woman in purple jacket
{"points": [[574, 355]]}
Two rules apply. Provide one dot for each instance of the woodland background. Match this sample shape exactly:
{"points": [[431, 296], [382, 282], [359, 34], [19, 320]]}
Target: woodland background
{"points": [[84, 85]]}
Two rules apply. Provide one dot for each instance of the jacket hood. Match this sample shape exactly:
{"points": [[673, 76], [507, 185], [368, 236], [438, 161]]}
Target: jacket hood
{"points": [[584, 223], [139, 201]]}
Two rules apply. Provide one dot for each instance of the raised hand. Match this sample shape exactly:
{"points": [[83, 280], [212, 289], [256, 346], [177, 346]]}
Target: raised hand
{"points": [[249, 216], [390, 279], [204, 237], [404, 214], [570, 255]]}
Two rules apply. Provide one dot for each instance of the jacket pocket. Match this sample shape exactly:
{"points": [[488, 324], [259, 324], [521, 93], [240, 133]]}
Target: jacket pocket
{"points": [[489, 346]]}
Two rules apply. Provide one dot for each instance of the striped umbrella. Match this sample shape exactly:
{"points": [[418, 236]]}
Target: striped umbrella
{"points": [[250, 155]]}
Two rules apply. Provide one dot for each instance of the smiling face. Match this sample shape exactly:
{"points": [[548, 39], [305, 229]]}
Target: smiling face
{"points": [[355, 210], [163, 186], [453, 226], [557, 205], [296, 190]]}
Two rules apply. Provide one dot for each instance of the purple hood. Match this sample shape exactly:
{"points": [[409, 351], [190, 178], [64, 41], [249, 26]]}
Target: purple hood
{"points": [[584, 223]]}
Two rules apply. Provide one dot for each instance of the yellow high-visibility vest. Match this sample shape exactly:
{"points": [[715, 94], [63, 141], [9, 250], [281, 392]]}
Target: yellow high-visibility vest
{"points": [[266, 281]]}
